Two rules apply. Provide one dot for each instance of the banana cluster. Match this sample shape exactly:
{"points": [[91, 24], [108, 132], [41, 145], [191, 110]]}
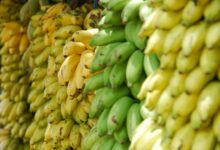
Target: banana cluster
{"points": [[14, 114], [181, 107]]}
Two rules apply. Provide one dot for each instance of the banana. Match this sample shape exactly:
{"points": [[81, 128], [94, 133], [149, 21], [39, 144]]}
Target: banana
{"points": [[117, 5], [168, 61], [121, 53], [66, 127], [56, 50], [73, 48], [21, 108], [192, 13], [215, 125], [22, 129], [121, 135], [51, 68], [24, 42], [90, 138], [131, 10], [174, 39], [174, 124], [149, 25], [133, 119], [156, 42], [209, 60], [175, 88], [71, 87], [30, 130], [42, 57], [49, 80], [75, 136], [149, 138], [55, 9], [112, 18], [70, 19], [184, 104], [54, 117], [144, 88], [38, 135], [66, 31], [152, 99], [15, 129], [38, 73], [119, 146], [50, 106], [151, 63], [108, 142], [110, 96], [144, 11], [208, 101], [192, 86], [70, 105], [92, 18], [201, 2], [194, 38], [212, 11], [173, 5], [94, 83], [67, 68], [136, 87], [107, 73], [212, 39], [117, 114], [102, 123], [108, 35], [204, 139], [84, 36], [37, 48], [197, 123], [39, 114], [183, 138], [118, 75]]}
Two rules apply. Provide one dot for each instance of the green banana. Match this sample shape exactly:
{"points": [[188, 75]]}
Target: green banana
{"points": [[136, 87], [121, 135], [113, 18], [110, 96], [117, 5], [102, 123], [122, 52], [96, 106], [108, 143], [119, 146], [90, 139], [118, 113], [97, 144], [118, 75], [131, 10], [94, 83], [151, 63], [107, 73], [108, 35], [133, 119], [30, 31], [144, 11], [134, 68]]}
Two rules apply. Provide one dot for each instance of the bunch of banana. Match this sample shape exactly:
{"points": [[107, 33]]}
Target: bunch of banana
{"points": [[181, 107]]}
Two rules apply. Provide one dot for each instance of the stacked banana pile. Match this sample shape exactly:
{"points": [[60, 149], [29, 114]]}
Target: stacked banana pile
{"points": [[14, 113], [182, 97], [119, 67]]}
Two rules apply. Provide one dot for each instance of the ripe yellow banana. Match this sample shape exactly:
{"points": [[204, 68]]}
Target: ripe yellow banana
{"points": [[73, 48], [70, 105], [66, 31], [215, 125], [212, 38], [174, 5], [70, 19], [152, 99], [67, 69], [71, 87], [24, 42], [51, 68], [212, 11], [168, 61]]}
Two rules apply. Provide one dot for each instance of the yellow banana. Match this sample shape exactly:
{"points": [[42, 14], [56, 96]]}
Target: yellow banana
{"points": [[196, 122], [55, 9], [152, 99], [70, 105], [38, 73], [71, 87], [212, 38], [24, 42], [204, 139], [70, 19], [30, 130], [66, 31], [168, 61], [51, 89], [65, 127], [215, 125], [183, 138], [192, 13], [174, 5], [75, 136], [51, 68], [156, 42], [174, 39], [67, 69], [194, 38], [212, 11], [42, 57], [73, 48], [197, 80], [85, 36], [61, 94]]}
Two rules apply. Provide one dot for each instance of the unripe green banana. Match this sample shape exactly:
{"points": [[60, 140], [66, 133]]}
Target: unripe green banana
{"points": [[197, 80], [118, 75], [212, 11], [117, 5], [135, 67], [94, 83], [108, 142], [107, 73], [122, 52], [102, 123], [110, 96], [108, 35], [212, 38], [144, 11], [118, 113], [112, 18], [136, 87], [192, 13], [194, 38], [90, 139], [97, 144], [96, 106], [174, 39], [119, 146], [151, 63], [133, 119], [121, 135], [131, 10], [209, 60]]}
